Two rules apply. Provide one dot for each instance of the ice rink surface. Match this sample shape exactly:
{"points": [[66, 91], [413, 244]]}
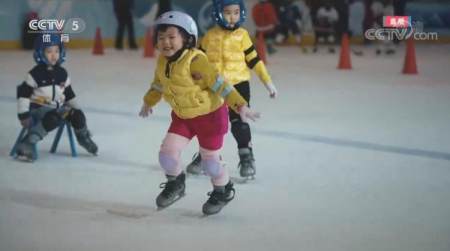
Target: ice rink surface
{"points": [[346, 160]]}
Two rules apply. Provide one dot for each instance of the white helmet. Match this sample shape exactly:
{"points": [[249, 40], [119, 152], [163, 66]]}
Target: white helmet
{"points": [[181, 20]]}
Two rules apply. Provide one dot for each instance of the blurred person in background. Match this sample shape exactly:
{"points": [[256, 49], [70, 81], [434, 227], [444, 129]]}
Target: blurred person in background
{"points": [[325, 26], [163, 7], [122, 10], [399, 10], [381, 8], [266, 21], [290, 22]]}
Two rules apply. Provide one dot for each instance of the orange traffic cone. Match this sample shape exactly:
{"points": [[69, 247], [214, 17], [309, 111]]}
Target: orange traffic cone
{"points": [[98, 45], [410, 65], [344, 58], [261, 47], [149, 50]]}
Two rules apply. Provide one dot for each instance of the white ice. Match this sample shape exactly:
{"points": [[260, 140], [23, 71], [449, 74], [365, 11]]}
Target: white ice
{"points": [[346, 160]]}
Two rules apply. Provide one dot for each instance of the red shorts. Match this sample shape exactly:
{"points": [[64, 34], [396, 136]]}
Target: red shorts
{"points": [[210, 128]]}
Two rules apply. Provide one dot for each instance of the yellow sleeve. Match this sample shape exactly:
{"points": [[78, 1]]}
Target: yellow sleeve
{"points": [[204, 42], [253, 61], [205, 72], [154, 94]]}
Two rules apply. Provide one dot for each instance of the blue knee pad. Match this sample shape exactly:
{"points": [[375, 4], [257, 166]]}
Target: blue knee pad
{"points": [[167, 162], [212, 167]]}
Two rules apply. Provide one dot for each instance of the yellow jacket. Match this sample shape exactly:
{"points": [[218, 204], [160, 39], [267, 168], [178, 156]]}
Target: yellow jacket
{"points": [[233, 54], [191, 85]]}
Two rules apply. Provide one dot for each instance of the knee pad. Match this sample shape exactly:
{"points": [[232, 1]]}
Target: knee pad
{"points": [[77, 118], [169, 154], [170, 163], [241, 132], [213, 168], [211, 163], [51, 120]]}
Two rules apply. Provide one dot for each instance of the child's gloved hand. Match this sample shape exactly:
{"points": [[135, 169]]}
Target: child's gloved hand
{"points": [[26, 122], [145, 111], [247, 114], [272, 90]]}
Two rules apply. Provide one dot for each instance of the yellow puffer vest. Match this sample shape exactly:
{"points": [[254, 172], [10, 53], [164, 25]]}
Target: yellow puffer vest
{"points": [[225, 49], [187, 99]]}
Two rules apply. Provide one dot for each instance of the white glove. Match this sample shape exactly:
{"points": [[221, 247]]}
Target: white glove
{"points": [[247, 114], [145, 111], [271, 89]]}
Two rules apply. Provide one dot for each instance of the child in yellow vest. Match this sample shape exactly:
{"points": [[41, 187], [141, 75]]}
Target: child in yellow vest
{"points": [[196, 92], [229, 47]]}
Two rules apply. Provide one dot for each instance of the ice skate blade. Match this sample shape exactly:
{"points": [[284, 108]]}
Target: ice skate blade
{"points": [[242, 180], [210, 214], [24, 159]]}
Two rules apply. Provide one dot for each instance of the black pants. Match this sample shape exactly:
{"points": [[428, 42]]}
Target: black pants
{"points": [[125, 20], [240, 129]]}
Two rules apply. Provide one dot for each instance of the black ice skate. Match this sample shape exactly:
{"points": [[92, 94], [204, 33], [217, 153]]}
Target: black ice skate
{"points": [[247, 163], [173, 191], [218, 199], [195, 167], [25, 151], [390, 52], [85, 140]]}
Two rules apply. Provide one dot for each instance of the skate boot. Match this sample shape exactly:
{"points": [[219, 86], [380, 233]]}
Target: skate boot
{"points": [[195, 166], [25, 150], [173, 190], [247, 163], [390, 51], [85, 140], [218, 198]]}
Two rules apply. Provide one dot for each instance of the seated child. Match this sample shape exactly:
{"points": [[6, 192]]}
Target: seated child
{"points": [[46, 98]]}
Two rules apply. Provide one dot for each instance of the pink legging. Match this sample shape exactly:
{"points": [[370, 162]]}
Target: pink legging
{"points": [[169, 158]]}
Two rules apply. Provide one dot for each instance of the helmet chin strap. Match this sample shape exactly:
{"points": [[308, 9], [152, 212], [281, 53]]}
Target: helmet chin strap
{"points": [[228, 27]]}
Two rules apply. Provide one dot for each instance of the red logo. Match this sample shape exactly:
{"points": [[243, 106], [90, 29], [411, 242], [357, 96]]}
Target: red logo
{"points": [[397, 21]]}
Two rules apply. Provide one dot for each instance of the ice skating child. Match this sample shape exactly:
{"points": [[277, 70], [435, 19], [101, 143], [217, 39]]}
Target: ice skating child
{"points": [[196, 92], [325, 27], [46, 98], [230, 49], [290, 22], [266, 20], [379, 9]]}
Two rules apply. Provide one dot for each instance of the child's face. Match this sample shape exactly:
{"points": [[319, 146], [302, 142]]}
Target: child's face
{"points": [[232, 14], [52, 54], [169, 41]]}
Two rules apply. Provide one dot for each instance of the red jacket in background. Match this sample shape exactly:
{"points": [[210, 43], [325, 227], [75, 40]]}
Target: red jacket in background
{"points": [[264, 16]]}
